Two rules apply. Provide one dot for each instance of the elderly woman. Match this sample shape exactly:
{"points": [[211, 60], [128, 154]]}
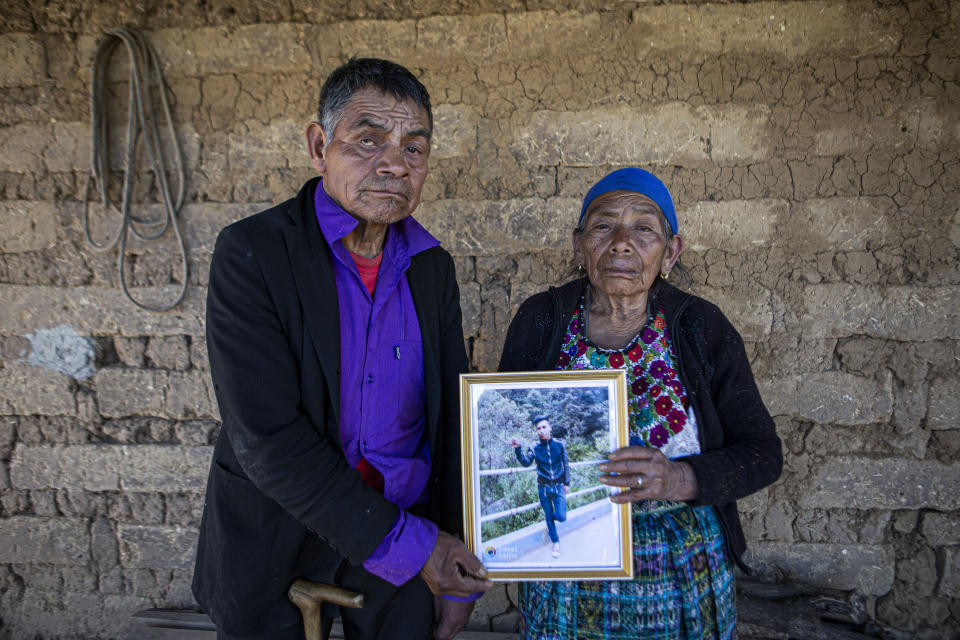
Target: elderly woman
{"points": [[700, 437]]}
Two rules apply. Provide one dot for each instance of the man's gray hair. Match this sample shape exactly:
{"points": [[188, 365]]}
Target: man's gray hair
{"points": [[367, 73]]}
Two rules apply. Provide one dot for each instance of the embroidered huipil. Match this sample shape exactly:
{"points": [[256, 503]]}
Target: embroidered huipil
{"points": [[682, 587], [382, 394]]}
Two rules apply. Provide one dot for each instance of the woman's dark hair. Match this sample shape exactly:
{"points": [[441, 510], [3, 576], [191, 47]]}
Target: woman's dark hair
{"points": [[365, 73]]}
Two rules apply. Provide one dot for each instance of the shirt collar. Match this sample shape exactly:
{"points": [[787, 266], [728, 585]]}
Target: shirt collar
{"points": [[335, 223]]}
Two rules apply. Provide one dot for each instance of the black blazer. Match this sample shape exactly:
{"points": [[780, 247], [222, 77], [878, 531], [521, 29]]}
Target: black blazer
{"points": [[282, 502]]}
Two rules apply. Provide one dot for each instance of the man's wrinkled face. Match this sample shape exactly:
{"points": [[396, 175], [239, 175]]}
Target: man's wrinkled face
{"points": [[543, 430], [375, 161]]}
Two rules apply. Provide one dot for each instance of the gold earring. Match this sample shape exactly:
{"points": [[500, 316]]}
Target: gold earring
{"points": [[666, 275]]}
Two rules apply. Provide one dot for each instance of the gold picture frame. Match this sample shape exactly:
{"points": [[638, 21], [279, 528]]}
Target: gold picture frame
{"points": [[510, 492]]}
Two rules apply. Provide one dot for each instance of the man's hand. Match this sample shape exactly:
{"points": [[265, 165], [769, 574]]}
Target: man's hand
{"points": [[514, 443], [566, 489], [451, 569], [449, 616]]}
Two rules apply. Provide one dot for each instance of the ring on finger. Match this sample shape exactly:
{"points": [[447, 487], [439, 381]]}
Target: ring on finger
{"points": [[639, 480]]}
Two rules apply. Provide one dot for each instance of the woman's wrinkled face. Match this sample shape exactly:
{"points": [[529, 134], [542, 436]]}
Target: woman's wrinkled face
{"points": [[623, 245]]}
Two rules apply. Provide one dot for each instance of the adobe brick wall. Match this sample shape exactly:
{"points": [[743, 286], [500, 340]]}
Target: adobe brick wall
{"points": [[813, 148]]}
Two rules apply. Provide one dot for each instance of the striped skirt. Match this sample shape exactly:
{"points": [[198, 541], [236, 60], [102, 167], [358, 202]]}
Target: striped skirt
{"points": [[682, 586]]}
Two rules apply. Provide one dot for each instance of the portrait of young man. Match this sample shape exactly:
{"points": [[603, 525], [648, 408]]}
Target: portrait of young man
{"points": [[553, 476], [335, 342]]}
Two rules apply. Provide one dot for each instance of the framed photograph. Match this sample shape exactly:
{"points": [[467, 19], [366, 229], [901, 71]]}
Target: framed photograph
{"points": [[534, 508]]}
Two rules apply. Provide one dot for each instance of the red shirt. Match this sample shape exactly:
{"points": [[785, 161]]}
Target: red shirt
{"points": [[368, 268]]}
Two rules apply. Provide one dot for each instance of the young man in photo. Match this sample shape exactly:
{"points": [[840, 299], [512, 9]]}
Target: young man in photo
{"points": [[553, 476]]}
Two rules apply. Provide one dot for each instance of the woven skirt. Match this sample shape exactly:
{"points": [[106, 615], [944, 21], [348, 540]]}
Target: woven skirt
{"points": [[682, 586]]}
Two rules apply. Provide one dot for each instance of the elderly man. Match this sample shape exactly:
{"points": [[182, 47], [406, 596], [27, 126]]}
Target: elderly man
{"points": [[333, 326]]}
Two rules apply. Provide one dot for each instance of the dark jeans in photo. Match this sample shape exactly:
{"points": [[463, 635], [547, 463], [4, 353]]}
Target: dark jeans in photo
{"points": [[554, 503]]}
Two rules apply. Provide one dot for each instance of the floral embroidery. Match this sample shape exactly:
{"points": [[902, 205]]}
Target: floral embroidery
{"points": [[658, 369], [676, 419], [597, 361], [657, 400], [639, 386], [658, 436], [663, 405]]}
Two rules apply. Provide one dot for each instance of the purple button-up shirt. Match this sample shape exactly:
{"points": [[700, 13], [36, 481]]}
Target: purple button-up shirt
{"points": [[382, 394]]}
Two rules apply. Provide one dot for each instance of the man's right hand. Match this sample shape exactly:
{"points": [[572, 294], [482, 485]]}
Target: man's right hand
{"points": [[452, 570], [514, 443]]}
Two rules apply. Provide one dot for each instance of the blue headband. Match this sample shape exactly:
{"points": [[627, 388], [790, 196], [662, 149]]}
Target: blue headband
{"points": [[638, 181]]}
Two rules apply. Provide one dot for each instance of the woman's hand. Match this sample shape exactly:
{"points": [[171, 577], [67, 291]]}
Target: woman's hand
{"points": [[647, 474]]}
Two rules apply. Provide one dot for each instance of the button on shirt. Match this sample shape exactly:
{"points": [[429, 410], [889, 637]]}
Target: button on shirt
{"points": [[382, 393]]}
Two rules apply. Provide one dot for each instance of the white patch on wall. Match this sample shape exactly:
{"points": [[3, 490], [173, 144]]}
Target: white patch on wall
{"points": [[62, 349]]}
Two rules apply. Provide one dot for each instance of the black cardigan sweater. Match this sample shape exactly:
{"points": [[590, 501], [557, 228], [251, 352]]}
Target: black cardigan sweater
{"points": [[740, 451]]}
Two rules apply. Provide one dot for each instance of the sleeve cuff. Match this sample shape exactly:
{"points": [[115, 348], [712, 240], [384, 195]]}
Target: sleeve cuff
{"points": [[404, 550], [473, 597]]}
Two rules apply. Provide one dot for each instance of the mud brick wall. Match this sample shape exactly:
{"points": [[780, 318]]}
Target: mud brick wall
{"points": [[814, 151]]}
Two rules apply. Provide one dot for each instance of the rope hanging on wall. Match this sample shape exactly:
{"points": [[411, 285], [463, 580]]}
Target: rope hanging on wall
{"points": [[141, 123]]}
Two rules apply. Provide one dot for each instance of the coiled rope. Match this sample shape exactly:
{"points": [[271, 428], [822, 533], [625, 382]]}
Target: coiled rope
{"points": [[141, 123]]}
